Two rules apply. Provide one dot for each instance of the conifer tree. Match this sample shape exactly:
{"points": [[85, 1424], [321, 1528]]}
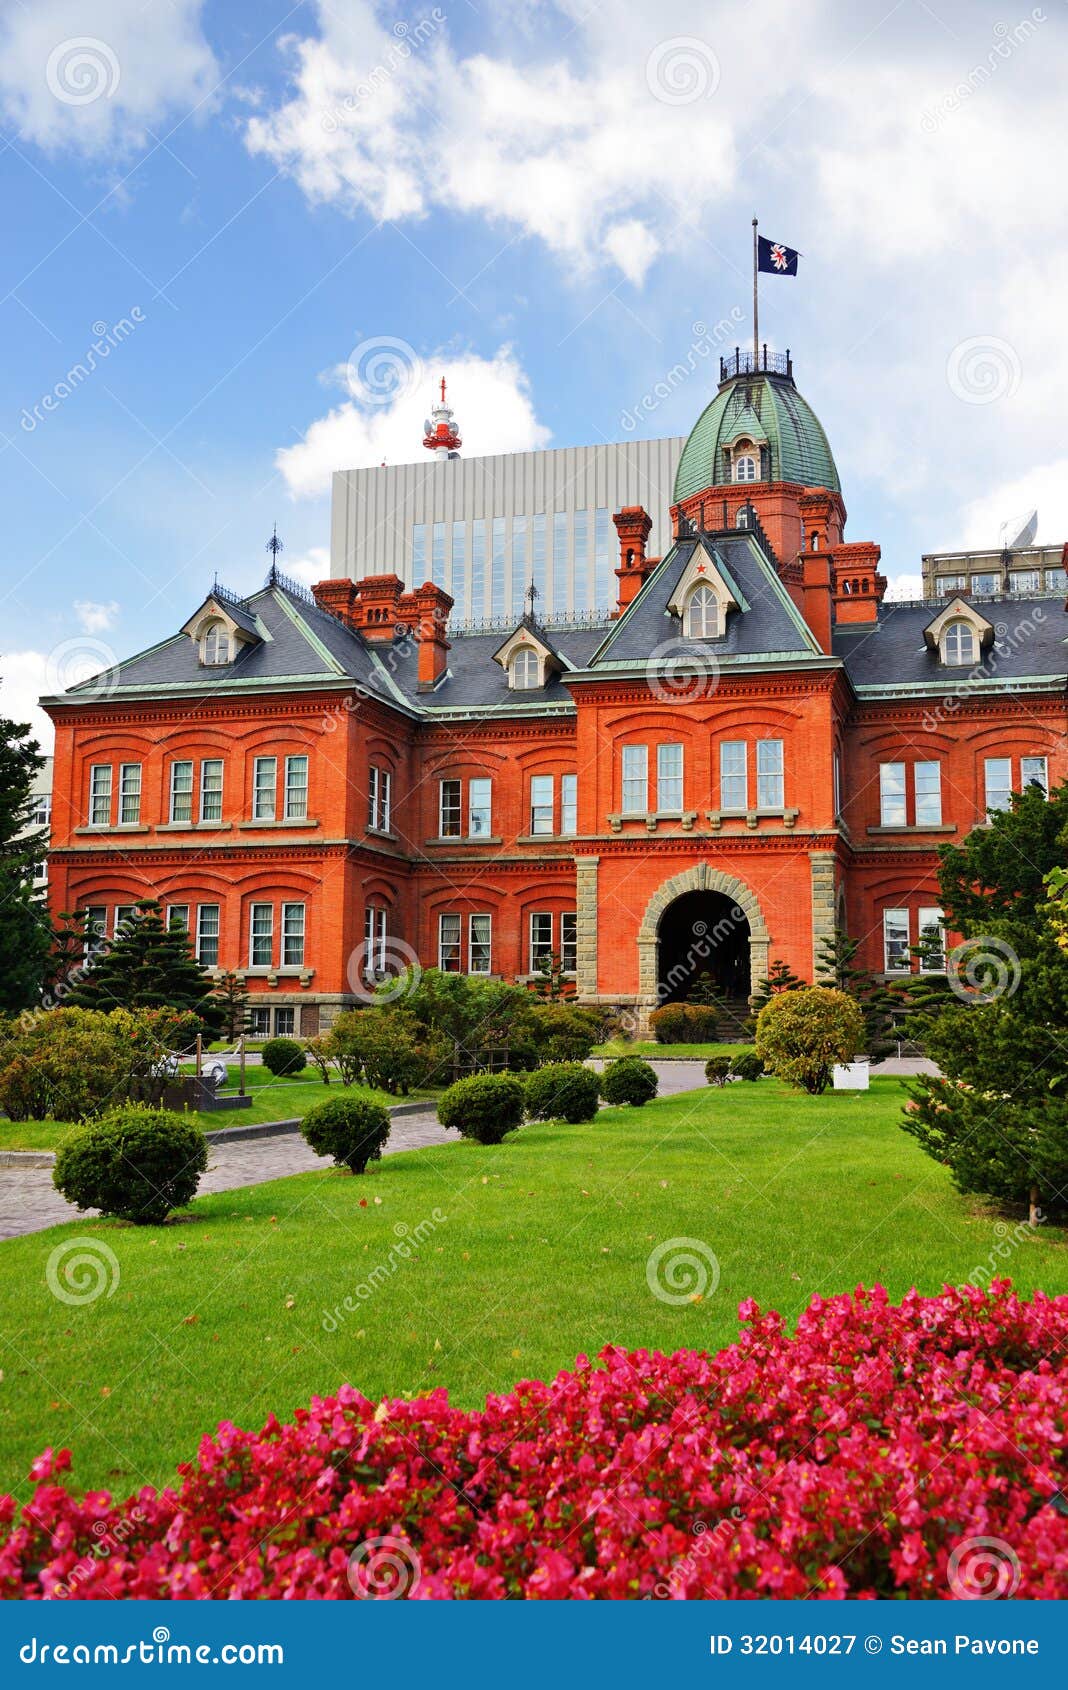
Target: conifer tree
{"points": [[233, 1001], [25, 931], [148, 965], [836, 966]]}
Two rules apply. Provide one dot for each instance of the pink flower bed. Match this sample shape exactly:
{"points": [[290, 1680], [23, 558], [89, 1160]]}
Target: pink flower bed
{"points": [[914, 1450]]}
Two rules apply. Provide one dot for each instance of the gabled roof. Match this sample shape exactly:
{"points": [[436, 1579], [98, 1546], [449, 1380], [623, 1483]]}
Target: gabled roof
{"points": [[958, 610], [529, 633]]}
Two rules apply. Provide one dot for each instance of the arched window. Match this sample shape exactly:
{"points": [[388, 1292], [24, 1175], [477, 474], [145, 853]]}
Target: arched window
{"points": [[702, 613], [745, 468], [814, 545], [525, 669], [958, 643], [214, 643], [742, 519]]}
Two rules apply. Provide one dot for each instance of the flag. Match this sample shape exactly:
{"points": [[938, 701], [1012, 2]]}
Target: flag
{"points": [[776, 259]]}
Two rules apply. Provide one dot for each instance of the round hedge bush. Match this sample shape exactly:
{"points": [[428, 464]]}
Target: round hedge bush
{"points": [[801, 1035], [562, 1091], [747, 1065], [350, 1129], [718, 1070], [629, 1080], [484, 1107], [134, 1162], [685, 1023], [284, 1056]]}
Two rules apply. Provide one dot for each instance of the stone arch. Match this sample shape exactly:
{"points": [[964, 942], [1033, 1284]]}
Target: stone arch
{"points": [[701, 878]]}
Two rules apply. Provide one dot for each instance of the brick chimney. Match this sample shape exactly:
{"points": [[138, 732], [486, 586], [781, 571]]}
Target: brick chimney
{"points": [[431, 605], [633, 525], [858, 586], [378, 607], [337, 598], [815, 605]]}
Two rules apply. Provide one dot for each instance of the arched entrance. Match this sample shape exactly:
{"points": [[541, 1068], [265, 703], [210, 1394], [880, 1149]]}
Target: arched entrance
{"points": [[703, 940], [704, 879]]}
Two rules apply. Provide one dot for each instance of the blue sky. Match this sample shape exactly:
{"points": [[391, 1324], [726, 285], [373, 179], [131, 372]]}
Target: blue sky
{"points": [[540, 201]]}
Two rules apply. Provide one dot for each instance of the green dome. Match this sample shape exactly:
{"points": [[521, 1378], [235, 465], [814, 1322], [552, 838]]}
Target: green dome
{"points": [[768, 410]]}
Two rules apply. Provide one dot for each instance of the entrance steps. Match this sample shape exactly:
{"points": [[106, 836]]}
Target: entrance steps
{"points": [[734, 1017]]}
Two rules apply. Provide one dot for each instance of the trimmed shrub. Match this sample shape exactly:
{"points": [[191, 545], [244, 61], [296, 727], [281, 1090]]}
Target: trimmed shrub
{"points": [[566, 1032], [933, 1422], [74, 1064], [801, 1035], [284, 1056], [685, 1024], [747, 1065], [351, 1129], [718, 1070], [629, 1080], [135, 1162], [562, 1091], [384, 1046], [484, 1107]]}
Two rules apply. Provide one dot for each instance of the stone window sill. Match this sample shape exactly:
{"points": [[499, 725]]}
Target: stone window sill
{"points": [[280, 821], [752, 818], [651, 819], [466, 839], [272, 975], [546, 838], [119, 827], [935, 827], [194, 827]]}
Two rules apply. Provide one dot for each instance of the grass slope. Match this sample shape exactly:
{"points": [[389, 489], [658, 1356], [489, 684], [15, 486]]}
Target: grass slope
{"points": [[542, 1253]]}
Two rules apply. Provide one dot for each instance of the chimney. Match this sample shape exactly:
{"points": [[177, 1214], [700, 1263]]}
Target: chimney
{"points": [[633, 525], [432, 605], [858, 586], [337, 598], [377, 610], [816, 595]]}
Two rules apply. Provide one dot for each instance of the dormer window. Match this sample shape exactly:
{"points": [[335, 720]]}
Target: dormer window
{"points": [[214, 643], [745, 468], [702, 619], [525, 670], [958, 643]]}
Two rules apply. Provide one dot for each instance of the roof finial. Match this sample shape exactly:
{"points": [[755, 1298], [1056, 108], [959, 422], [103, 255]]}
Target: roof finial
{"points": [[274, 546], [532, 594]]}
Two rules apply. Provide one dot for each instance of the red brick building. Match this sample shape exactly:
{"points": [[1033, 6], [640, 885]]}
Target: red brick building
{"points": [[753, 747]]}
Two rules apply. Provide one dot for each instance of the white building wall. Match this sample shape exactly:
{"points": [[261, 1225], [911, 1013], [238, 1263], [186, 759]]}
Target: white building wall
{"points": [[385, 519]]}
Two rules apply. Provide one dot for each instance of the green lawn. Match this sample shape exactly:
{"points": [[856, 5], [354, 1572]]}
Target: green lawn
{"points": [[649, 1047], [538, 1251], [273, 1099]]}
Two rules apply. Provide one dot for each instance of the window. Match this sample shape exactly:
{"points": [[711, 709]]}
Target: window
{"points": [[449, 944], [178, 916], [984, 585], [742, 519], [211, 789], [525, 669], [733, 775], [892, 811], [1024, 581], [208, 934], [449, 810], [292, 935], [745, 468], [932, 942], [569, 942], [541, 804], [958, 643], [181, 792], [479, 944], [702, 614], [1034, 771], [379, 799], [948, 584], [96, 929], [568, 804], [264, 782], [541, 939], [669, 778], [1056, 580], [124, 913], [635, 779], [770, 784], [215, 643], [928, 784], [896, 941], [284, 1023], [374, 940], [100, 795], [129, 793], [40, 873], [259, 1023], [296, 788], [836, 781], [42, 810], [479, 808], [261, 936], [997, 780]]}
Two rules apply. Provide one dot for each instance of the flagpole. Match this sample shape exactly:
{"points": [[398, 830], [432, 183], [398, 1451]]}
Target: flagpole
{"points": [[755, 320]]}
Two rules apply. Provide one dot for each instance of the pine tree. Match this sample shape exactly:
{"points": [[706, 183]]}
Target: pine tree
{"points": [[25, 931], [836, 966], [148, 966], [233, 999], [779, 978]]}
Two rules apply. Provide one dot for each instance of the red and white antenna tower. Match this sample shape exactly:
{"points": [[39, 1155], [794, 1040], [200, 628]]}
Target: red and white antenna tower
{"points": [[440, 433]]}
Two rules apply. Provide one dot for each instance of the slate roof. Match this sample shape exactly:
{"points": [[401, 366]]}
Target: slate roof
{"points": [[1029, 643]]}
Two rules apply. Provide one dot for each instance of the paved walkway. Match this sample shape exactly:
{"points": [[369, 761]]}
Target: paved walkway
{"points": [[29, 1201]]}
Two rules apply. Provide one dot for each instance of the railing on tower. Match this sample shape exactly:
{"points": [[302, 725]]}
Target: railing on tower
{"points": [[756, 363]]}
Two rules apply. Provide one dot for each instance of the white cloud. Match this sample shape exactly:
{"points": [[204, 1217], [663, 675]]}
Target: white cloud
{"points": [[491, 398], [904, 587], [95, 618], [1043, 488], [312, 566], [24, 678], [96, 75]]}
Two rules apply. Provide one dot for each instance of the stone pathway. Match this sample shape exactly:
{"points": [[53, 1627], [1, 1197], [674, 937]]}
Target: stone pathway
{"points": [[29, 1201]]}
